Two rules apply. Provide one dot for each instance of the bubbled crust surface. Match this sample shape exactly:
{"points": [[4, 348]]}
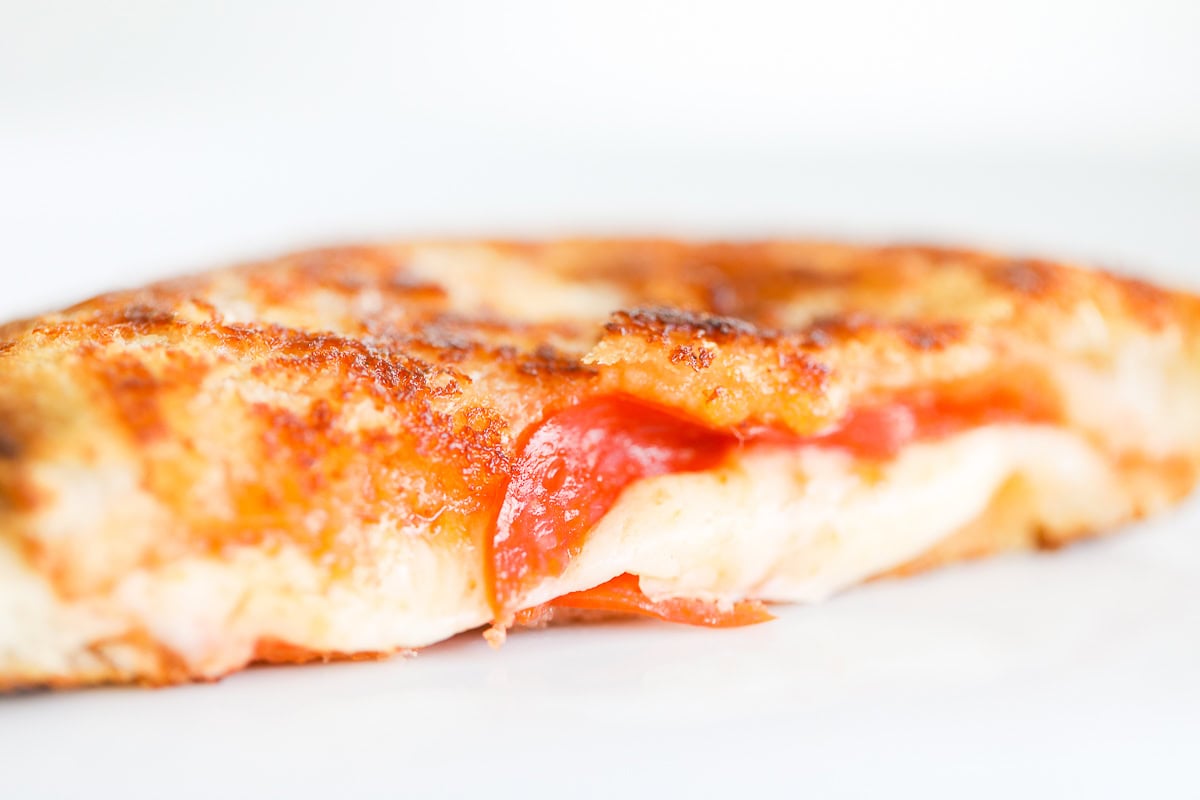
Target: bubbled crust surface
{"points": [[295, 401]]}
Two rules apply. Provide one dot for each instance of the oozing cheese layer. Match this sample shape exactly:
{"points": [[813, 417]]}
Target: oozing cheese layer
{"points": [[776, 523], [798, 524]]}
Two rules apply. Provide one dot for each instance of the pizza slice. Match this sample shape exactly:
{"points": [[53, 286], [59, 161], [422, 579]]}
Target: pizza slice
{"points": [[352, 452]]}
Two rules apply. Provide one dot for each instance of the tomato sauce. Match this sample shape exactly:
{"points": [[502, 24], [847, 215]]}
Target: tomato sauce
{"points": [[623, 595]]}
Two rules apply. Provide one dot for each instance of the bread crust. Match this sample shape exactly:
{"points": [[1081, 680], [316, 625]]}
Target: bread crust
{"points": [[326, 401]]}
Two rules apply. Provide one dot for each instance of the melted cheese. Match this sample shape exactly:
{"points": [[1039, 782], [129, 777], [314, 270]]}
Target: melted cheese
{"points": [[800, 524]]}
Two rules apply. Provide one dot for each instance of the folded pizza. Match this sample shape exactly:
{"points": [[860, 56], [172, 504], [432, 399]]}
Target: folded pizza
{"points": [[353, 452]]}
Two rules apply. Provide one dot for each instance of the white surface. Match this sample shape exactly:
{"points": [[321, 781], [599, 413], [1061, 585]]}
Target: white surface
{"points": [[138, 139]]}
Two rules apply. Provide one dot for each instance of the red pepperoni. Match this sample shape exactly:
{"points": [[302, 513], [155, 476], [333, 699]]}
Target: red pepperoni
{"points": [[571, 470], [572, 467]]}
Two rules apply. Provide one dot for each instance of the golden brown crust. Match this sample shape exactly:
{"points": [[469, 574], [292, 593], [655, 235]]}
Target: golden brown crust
{"points": [[299, 401]]}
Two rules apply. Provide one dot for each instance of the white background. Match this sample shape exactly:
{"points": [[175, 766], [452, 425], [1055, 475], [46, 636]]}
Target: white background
{"points": [[138, 139]]}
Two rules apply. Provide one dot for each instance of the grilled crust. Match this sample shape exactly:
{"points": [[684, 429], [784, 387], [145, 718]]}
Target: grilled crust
{"points": [[354, 404]]}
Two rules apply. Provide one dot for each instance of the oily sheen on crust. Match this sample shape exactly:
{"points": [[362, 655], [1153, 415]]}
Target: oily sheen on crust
{"points": [[282, 430]]}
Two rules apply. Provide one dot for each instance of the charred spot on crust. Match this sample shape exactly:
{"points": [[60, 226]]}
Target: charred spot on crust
{"points": [[698, 358], [809, 373], [547, 360], [658, 323], [398, 374], [452, 340], [118, 315], [449, 344]]}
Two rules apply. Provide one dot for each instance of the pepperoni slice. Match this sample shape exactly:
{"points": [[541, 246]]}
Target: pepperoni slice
{"points": [[623, 595], [573, 465], [569, 473]]}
